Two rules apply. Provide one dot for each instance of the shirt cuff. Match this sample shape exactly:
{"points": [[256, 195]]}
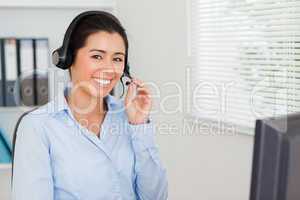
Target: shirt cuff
{"points": [[143, 134]]}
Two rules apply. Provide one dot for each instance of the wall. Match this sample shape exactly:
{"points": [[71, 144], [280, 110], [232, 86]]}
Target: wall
{"points": [[200, 166]]}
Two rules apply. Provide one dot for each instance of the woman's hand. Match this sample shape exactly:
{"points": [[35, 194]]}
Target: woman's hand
{"points": [[138, 102]]}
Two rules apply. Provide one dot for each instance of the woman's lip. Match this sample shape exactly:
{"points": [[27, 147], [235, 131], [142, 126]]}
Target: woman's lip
{"points": [[103, 78], [106, 79], [99, 82]]}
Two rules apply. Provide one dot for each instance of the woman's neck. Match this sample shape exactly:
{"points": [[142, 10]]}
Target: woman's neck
{"points": [[85, 105]]}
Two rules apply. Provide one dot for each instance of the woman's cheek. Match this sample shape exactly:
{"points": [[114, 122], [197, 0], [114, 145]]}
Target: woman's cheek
{"points": [[114, 83]]}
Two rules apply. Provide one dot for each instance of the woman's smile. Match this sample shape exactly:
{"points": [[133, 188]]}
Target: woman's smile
{"points": [[102, 82]]}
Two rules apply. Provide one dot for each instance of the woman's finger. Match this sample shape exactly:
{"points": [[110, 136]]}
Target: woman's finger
{"points": [[143, 90], [131, 92], [138, 82]]}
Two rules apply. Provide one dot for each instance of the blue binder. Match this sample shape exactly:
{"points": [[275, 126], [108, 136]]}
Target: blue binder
{"points": [[2, 71], [5, 148]]}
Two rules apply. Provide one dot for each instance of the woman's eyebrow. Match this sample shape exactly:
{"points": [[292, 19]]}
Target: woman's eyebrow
{"points": [[102, 51]]}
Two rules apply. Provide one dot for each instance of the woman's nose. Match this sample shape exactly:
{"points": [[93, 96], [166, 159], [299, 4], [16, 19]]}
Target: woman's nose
{"points": [[108, 64], [106, 69], [108, 60]]}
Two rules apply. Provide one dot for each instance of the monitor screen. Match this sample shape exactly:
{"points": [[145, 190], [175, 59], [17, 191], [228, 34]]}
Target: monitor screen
{"points": [[276, 159]]}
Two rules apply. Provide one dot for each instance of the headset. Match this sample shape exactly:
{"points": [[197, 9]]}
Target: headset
{"points": [[62, 57]]}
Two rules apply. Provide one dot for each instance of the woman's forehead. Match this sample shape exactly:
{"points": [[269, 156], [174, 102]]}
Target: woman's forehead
{"points": [[110, 42]]}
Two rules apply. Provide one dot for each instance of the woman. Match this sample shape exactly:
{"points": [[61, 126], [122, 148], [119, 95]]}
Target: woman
{"points": [[86, 144]]}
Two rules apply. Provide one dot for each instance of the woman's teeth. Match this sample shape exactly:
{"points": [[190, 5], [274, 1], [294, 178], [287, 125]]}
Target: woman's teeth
{"points": [[102, 81]]}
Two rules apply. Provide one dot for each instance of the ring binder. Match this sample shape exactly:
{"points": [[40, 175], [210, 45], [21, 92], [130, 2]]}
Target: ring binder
{"points": [[10, 65], [24, 71]]}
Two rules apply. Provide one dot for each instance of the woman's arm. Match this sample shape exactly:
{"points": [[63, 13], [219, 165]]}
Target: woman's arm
{"points": [[151, 177], [32, 178]]}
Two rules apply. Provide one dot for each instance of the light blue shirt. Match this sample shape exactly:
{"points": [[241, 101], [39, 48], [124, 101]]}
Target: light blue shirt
{"points": [[56, 158]]}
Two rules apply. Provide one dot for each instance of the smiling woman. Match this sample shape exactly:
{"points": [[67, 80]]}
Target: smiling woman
{"points": [[91, 145]]}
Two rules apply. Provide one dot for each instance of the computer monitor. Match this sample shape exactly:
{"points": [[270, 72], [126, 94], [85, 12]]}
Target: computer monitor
{"points": [[276, 159]]}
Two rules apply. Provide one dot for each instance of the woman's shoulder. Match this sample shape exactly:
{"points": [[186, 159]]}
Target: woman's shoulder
{"points": [[36, 114], [30, 121], [47, 111]]}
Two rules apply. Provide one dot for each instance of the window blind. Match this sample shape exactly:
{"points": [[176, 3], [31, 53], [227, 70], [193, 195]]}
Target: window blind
{"points": [[245, 60]]}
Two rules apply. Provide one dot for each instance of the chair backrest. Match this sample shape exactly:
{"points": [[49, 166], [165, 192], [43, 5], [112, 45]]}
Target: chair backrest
{"points": [[15, 138]]}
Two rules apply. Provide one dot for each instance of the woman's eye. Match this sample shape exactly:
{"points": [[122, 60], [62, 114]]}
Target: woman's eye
{"points": [[97, 57], [118, 59]]}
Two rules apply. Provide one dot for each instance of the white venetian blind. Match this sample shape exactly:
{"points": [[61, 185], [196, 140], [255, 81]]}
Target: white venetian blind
{"points": [[245, 60]]}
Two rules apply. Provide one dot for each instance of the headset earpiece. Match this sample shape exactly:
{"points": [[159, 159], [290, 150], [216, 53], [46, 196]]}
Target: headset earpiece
{"points": [[58, 58]]}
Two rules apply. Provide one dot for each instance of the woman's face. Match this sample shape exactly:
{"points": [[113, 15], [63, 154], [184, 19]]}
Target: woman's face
{"points": [[99, 64]]}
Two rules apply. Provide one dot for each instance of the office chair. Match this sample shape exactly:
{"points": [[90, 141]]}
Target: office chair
{"points": [[15, 138]]}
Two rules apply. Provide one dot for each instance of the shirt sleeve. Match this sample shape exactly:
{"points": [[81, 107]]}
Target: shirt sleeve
{"points": [[32, 176], [151, 178]]}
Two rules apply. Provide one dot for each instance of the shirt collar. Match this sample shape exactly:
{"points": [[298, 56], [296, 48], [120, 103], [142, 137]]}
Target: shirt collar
{"points": [[60, 103]]}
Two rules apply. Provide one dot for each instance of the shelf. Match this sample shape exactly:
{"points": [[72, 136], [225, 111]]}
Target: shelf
{"points": [[16, 109], [93, 4], [5, 166]]}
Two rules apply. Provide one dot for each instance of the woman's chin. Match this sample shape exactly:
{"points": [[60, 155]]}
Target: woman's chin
{"points": [[101, 93]]}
